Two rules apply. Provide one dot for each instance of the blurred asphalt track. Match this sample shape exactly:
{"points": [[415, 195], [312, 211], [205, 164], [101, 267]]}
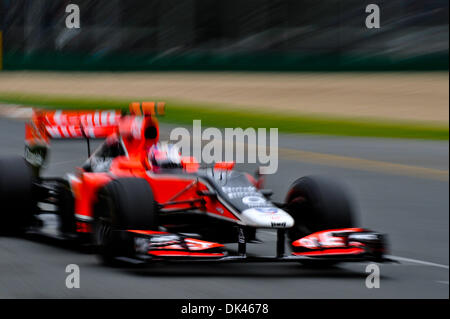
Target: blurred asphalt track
{"points": [[401, 188]]}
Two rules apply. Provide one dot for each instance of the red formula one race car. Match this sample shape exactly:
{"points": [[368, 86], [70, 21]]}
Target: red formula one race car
{"points": [[139, 200]]}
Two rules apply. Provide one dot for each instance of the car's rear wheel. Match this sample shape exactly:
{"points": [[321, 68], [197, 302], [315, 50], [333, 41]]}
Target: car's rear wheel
{"points": [[125, 203], [318, 203], [16, 194]]}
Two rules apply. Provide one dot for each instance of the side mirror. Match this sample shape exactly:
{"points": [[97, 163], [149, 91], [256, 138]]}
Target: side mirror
{"points": [[36, 156], [260, 179]]}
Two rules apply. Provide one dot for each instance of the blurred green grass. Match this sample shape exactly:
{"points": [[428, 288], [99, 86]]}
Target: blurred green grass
{"points": [[222, 116]]}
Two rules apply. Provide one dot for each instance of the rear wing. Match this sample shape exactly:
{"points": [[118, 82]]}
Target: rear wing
{"points": [[75, 124], [59, 124], [63, 124]]}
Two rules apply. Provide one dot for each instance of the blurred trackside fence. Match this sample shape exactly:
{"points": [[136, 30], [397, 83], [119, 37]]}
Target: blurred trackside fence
{"points": [[285, 35]]}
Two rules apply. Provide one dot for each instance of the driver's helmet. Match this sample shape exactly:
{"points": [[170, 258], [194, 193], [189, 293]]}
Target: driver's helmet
{"points": [[165, 155]]}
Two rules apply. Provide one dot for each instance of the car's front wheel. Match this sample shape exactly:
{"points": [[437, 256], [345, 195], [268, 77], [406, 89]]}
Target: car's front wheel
{"points": [[124, 203], [318, 203]]}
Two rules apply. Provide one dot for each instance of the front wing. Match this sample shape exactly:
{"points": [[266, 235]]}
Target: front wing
{"points": [[339, 245]]}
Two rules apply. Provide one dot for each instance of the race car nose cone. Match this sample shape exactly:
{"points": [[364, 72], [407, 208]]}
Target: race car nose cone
{"points": [[267, 217]]}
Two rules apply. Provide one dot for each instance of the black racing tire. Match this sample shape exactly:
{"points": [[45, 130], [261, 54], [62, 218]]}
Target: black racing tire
{"points": [[17, 204], [318, 203], [124, 203]]}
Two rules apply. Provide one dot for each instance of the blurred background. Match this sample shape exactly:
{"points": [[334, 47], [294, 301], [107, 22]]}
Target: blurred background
{"points": [[371, 107], [225, 35]]}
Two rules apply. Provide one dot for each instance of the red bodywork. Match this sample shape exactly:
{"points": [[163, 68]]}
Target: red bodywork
{"points": [[136, 133], [173, 191]]}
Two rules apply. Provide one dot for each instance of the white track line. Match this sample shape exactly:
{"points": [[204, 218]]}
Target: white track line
{"points": [[410, 260], [15, 112], [416, 261]]}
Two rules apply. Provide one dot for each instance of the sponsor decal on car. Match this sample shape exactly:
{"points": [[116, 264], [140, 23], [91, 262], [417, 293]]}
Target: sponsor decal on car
{"points": [[267, 210], [254, 201]]}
